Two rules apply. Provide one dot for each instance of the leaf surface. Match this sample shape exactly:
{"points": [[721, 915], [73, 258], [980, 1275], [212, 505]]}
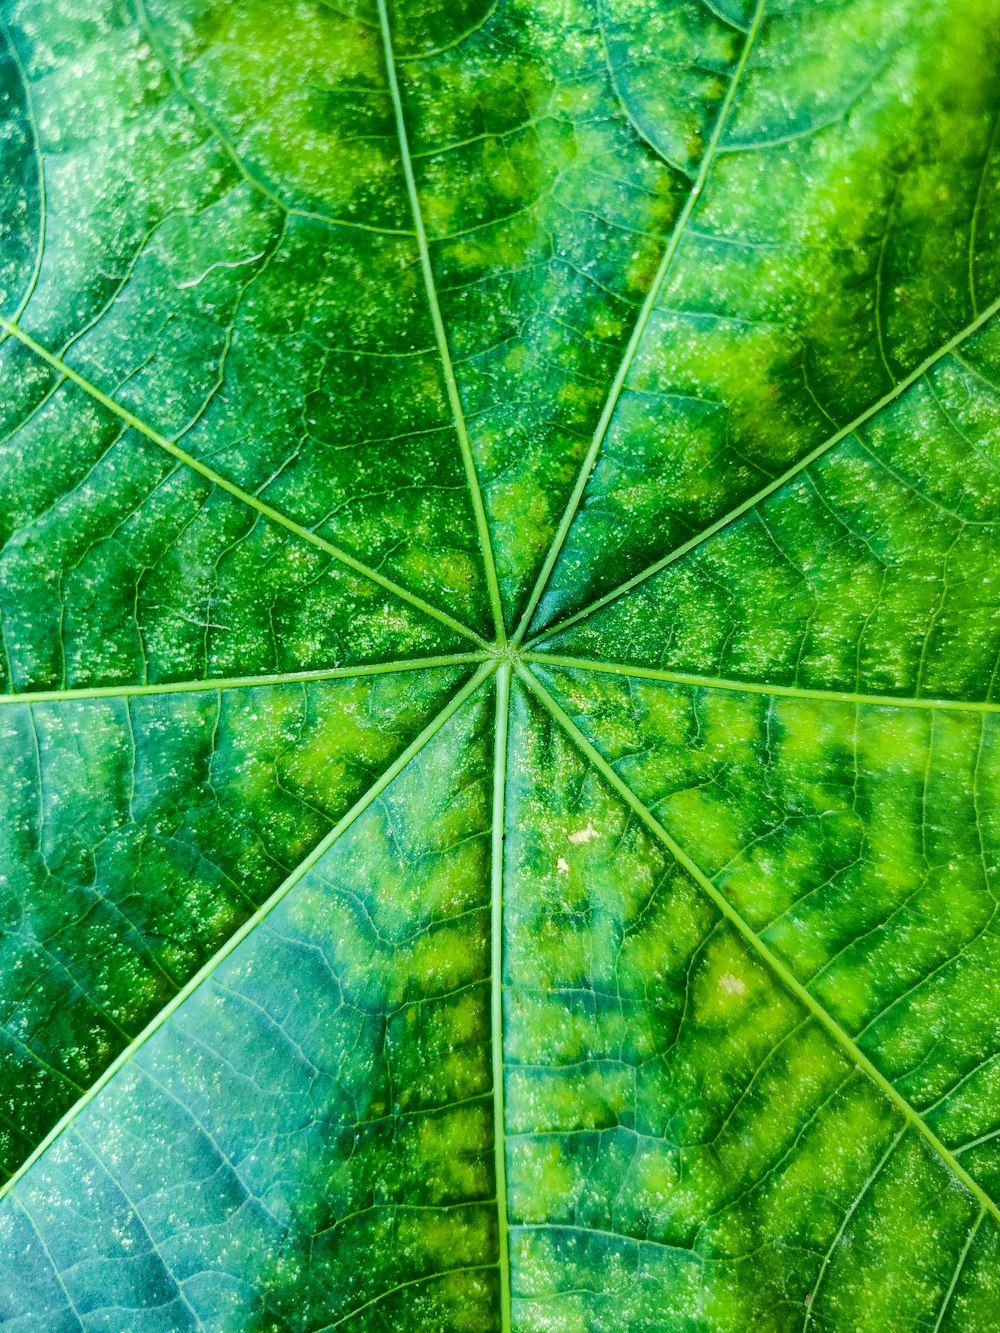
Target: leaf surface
{"points": [[499, 626]]}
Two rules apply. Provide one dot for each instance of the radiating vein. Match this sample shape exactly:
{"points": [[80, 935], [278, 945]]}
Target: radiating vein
{"points": [[136, 423], [240, 682], [806, 461], [825, 1019], [496, 986], [356, 810], [454, 398], [645, 313], [757, 687]]}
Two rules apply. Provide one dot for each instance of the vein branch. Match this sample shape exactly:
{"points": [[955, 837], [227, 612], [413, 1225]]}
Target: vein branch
{"points": [[252, 922], [959, 1266], [56, 1270], [826, 1020], [441, 337], [230, 149], [239, 682], [632, 348], [845, 1223], [238, 493]]}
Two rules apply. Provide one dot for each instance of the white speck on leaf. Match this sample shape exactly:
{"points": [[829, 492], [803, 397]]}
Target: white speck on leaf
{"points": [[584, 834]]}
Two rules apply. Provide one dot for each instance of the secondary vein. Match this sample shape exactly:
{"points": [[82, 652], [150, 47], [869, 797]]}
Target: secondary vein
{"points": [[645, 313], [239, 682], [957, 1273], [757, 687], [451, 384]]}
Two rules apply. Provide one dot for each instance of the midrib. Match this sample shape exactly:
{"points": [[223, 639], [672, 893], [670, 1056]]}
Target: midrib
{"points": [[210, 683], [496, 986], [695, 681]]}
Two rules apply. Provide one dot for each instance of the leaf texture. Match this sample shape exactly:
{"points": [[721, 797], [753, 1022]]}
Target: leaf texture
{"points": [[499, 641]]}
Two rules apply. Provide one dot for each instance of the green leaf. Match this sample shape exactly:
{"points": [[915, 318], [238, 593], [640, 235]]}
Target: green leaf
{"points": [[500, 624]]}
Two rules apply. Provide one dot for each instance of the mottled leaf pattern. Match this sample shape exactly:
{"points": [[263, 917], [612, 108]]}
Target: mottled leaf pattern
{"points": [[499, 631]]}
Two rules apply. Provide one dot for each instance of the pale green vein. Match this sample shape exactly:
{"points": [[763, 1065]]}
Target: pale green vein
{"points": [[39, 167], [960, 1264], [806, 461], [175, 1282], [356, 810], [606, 1233], [496, 986], [232, 489], [826, 1020], [756, 687], [456, 41], [56, 1270], [632, 348], [404, 1286], [845, 1222], [241, 682], [454, 398], [15, 1040]]}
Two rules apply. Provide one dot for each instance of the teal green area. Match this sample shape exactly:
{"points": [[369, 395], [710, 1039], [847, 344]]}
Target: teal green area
{"points": [[499, 645], [307, 1133], [140, 832]]}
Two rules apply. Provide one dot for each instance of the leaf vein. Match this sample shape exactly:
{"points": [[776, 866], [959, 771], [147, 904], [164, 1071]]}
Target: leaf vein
{"points": [[764, 492]]}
